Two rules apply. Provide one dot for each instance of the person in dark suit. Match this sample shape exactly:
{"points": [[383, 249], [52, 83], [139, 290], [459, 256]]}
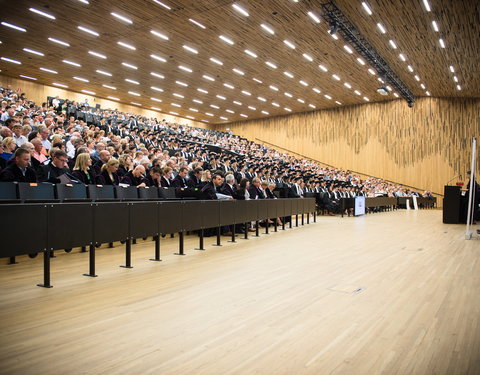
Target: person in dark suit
{"points": [[180, 180], [210, 190], [109, 175], [166, 180], [242, 192], [153, 177], [19, 170], [103, 157], [82, 170], [135, 177], [57, 167], [230, 187], [195, 179], [254, 189]]}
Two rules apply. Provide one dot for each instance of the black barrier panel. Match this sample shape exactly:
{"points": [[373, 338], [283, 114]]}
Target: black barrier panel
{"points": [[126, 193], [101, 192], [33, 192], [241, 212], [110, 222], [211, 215], [227, 212], [148, 193], [262, 208], [192, 213], [295, 205], [309, 205], [8, 192], [143, 219], [287, 205], [169, 217], [71, 192], [251, 210], [25, 231], [301, 206], [280, 207], [272, 208], [63, 233]]}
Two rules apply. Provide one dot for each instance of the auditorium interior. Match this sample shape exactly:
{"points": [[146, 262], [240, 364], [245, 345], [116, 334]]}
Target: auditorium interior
{"points": [[239, 187]]}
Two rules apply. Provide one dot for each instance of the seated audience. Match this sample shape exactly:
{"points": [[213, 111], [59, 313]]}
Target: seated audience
{"points": [[82, 171], [19, 170]]}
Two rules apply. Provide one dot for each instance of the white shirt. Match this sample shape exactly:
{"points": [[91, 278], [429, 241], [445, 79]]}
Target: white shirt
{"points": [[20, 140]]}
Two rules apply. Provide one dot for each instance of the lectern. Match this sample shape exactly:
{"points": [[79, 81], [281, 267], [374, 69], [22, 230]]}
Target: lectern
{"points": [[452, 205]]}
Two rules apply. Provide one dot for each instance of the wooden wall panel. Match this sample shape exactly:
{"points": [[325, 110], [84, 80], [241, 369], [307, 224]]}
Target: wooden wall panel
{"points": [[38, 93], [424, 146]]}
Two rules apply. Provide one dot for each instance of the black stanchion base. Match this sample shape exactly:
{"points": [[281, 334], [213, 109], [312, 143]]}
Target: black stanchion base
{"points": [[126, 266], [12, 261], [45, 286], [87, 274], [110, 245], [156, 260], [179, 254], [201, 249]]}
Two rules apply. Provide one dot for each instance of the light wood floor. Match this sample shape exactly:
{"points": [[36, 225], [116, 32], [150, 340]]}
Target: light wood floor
{"points": [[278, 304]]}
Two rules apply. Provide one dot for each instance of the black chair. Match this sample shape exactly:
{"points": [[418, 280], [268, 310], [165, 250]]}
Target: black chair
{"points": [[101, 193], [126, 193], [148, 193], [36, 192], [9, 192], [186, 194], [167, 194], [72, 193]]}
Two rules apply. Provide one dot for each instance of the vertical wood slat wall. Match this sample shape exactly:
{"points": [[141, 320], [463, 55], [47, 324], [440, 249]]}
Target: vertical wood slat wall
{"points": [[424, 146], [39, 93]]}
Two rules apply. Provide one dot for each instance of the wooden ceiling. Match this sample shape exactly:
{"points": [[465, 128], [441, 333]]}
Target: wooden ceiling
{"points": [[407, 23]]}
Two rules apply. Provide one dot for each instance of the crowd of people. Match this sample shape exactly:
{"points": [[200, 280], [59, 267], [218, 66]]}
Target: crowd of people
{"points": [[63, 141]]}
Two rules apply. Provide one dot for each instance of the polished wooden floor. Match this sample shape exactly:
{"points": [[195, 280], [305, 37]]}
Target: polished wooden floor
{"points": [[389, 293]]}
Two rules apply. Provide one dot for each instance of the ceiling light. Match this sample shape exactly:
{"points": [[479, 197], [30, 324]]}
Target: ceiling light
{"points": [[346, 84], [126, 45], [193, 109], [381, 80], [104, 73], [301, 100], [122, 18], [87, 30], [134, 93], [312, 106], [245, 92], [435, 26], [314, 17], [381, 28], [371, 71], [160, 35], [190, 49], [347, 48], [198, 101], [158, 58], [184, 68], [84, 1], [224, 118], [176, 105], [202, 91], [209, 114], [208, 77], [81, 79], [392, 43], [173, 113], [226, 40], [181, 83], [214, 106], [221, 97], [239, 9], [275, 104], [287, 109], [336, 77], [366, 99], [409, 67], [271, 65], [422, 86], [427, 5], [290, 44], [237, 102], [238, 71], [253, 54], [442, 43], [402, 57], [328, 97], [308, 57], [156, 88], [28, 77], [59, 85], [318, 91], [156, 108], [267, 29], [161, 76], [197, 23], [360, 61], [288, 74], [303, 83], [156, 100], [129, 65], [88, 92], [262, 99], [35, 52], [113, 98], [47, 70], [357, 92], [216, 61], [265, 113], [132, 81], [178, 95], [252, 108], [162, 4], [427, 92], [229, 111], [395, 94], [336, 101], [97, 54], [455, 78], [72, 63], [452, 69], [334, 36], [59, 42], [417, 77], [229, 85], [323, 68], [42, 13], [367, 8], [382, 90], [109, 87], [14, 27], [274, 88]]}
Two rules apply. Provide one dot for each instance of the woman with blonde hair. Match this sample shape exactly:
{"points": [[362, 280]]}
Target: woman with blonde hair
{"points": [[108, 175], [82, 171], [9, 145], [126, 164]]}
